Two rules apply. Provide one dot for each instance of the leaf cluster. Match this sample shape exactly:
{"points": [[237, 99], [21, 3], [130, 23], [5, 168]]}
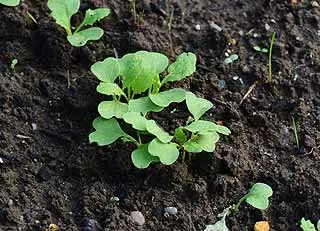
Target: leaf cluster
{"points": [[306, 225], [10, 2], [63, 10], [133, 84]]}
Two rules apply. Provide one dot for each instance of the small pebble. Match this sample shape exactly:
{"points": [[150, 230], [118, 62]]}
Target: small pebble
{"points": [[315, 4], [262, 226], [197, 27], [222, 84], [170, 210], [255, 35], [235, 78], [1, 161], [138, 218], [34, 126], [267, 26], [10, 202], [215, 27], [241, 33]]}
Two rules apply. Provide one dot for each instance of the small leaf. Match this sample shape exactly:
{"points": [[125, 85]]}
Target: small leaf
{"points": [[143, 105], [203, 126], [109, 109], [163, 99], [257, 48], [109, 89], [106, 71], [93, 16], [185, 65], [208, 140], [197, 106], [258, 196], [192, 146], [306, 225], [222, 129], [107, 131], [167, 153], [221, 224], [62, 12], [154, 129], [264, 50], [180, 135], [141, 158], [80, 38], [318, 225], [136, 120], [231, 59], [10, 2], [154, 61]]}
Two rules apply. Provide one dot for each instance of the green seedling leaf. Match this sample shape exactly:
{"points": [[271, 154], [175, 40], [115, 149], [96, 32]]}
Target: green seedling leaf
{"points": [[203, 126], [221, 224], [153, 61], [208, 140], [93, 16], [79, 39], [259, 49], [10, 2], [180, 135], [197, 106], [163, 99], [106, 71], [109, 109], [231, 59], [109, 89], [154, 129], [62, 12], [318, 225], [14, 62], [192, 146], [136, 120], [143, 105], [258, 196], [185, 65], [306, 225], [141, 158], [107, 131], [167, 153]]}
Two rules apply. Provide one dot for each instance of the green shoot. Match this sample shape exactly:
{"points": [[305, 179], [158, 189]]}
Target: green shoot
{"points": [[133, 84], [62, 12], [134, 10], [13, 64], [306, 225], [259, 49], [170, 21], [10, 2], [295, 132], [231, 59], [31, 17], [270, 57]]}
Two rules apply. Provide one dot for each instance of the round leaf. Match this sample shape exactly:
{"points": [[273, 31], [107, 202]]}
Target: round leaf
{"points": [[107, 131], [163, 99], [258, 196], [143, 105], [141, 158], [10, 2], [80, 38], [153, 61], [106, 71], [197, 106], [154, 129], [109, 109], [167, 153], [136, 120], [207, 141], [109, 89], [192, 146]]}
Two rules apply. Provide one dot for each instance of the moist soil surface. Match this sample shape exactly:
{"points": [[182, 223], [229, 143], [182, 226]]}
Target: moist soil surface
{"points": [[50, 174]]}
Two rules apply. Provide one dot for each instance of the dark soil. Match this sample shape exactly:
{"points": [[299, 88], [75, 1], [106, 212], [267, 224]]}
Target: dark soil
{"points": [[51, 174]]}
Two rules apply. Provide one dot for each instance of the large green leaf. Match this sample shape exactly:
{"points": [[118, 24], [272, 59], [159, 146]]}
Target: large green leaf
{"points": [[163, 99], [141, 158], [197, 106], [10, 2], [192, 146], [143, 105], [136, 120], [109, 89], [258, 196], [106, 71], [154, 129], [153, 61], [208, 140], [62, 12], [184, 66], [107, 131], [167, 153], [109, 109], [306, 225], [80, 38], [93, 16]]}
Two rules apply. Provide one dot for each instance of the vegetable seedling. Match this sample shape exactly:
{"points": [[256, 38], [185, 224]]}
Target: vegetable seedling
{"points": [[295, 132], [133, 83], [62, 11], [259, 49], [10, 2], [257, 197], [270, 57], [14, 62], [306, 225], [231, 59]]}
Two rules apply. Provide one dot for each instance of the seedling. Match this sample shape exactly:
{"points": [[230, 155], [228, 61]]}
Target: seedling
{"points": [[259, 49], [231, 59], [270, 57], [306, 225], [295, 132], [257, 197], [13, 64], [10, 2], [133, 6], [62, 12], [134, 84]]}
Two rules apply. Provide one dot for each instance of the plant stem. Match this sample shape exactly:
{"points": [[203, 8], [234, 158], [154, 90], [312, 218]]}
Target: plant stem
{"points": [[295, 131], [270, 57], [236, 207], [139, 137]]}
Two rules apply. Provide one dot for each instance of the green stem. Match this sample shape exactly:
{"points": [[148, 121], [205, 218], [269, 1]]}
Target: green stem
{"points": [[68, 30], [270, 57], [295, 131], [139, 137], [236, 207]]}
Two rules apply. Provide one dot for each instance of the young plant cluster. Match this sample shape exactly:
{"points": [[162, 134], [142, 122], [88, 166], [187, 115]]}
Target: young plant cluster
{"points": [[10, 2], [63, 10], [134, 84]]}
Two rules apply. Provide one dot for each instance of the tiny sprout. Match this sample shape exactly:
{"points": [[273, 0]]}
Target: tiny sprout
{"points": [[231, 59], [10, 2], [63, 10], [259, 49], [306, 225], [13, 64]]}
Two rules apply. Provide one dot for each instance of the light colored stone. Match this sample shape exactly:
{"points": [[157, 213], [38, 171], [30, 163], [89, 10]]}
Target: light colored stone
{"points": [[315, 4], [137, 217], [170, 210]]}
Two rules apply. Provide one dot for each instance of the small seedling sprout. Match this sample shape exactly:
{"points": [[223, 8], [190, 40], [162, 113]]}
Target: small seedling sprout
{"points": [[31, 17], [270, 58], [231, 59], [13, 64], [10, 2], [62, 12], [259, 49], [306, 225], [295, 132]]}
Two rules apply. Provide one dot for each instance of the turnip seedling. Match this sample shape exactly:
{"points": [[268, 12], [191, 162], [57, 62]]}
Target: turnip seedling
{"points": [[62, 12], [13, 64], [10, 2], [133, 82], [306, 225], [231, 59]]}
